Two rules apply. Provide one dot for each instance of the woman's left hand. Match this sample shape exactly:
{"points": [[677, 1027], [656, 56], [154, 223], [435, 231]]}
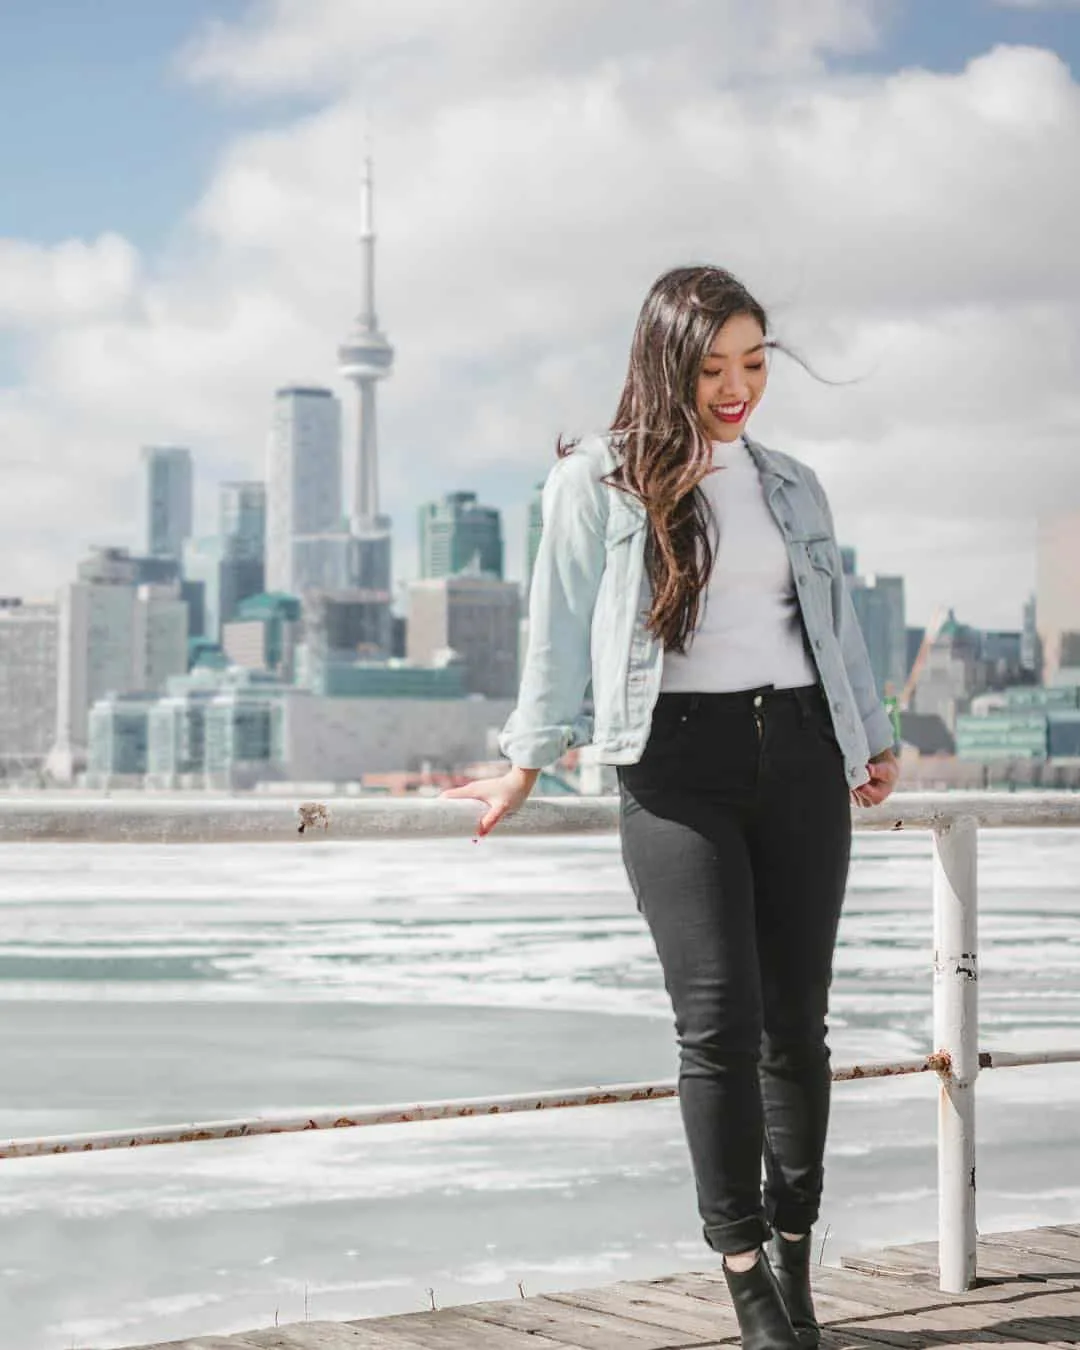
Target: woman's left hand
{"points": [[884, 770]]}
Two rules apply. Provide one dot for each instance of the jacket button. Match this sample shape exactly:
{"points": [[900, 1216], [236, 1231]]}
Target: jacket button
{"points": [[802, 578], [818, 643], [837, 707]]}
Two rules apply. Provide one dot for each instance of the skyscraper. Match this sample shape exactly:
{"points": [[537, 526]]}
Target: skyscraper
{"points": [[116, 636], [263, 634], [168, 499], [1030, 646], [202, 570], [229, 565], [345, 625], [533, 529], [159, 637], [242, 519], [458, 535], [303, 479], [476, 617], [880, 609], [365, 358], [1057, 606], [951, 673], [27, 683], [242, 529]]}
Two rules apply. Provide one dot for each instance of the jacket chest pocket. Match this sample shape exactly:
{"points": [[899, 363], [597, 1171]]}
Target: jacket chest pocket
{"points": [[626, 518], [821, 555]]}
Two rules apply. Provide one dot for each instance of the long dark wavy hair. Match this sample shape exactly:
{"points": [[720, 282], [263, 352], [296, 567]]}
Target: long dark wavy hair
{"points": [[664, 452]]}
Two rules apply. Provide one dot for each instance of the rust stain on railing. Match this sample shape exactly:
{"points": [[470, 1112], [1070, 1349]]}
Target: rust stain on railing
{"points": [[939, 1062]]}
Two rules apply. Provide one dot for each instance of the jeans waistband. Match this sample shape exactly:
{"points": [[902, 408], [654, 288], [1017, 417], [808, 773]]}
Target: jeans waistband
{"points": [[809, 697]]}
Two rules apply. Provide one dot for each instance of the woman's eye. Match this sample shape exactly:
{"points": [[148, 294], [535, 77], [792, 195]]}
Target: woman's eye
{"points": [[715, 374]]}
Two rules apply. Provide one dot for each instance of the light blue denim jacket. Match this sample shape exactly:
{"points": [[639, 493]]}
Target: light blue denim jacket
{"points": [[590, 598]]}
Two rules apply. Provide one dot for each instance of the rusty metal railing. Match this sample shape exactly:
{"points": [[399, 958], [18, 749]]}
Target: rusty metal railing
{"points": [[953, 819], [351, 1117]]}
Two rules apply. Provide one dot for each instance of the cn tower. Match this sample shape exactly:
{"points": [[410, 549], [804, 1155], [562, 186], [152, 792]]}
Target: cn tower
{"points": [[365, 358]]}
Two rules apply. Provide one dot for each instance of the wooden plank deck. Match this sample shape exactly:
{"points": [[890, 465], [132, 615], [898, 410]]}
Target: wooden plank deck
{"points": [[1028, 1294]]}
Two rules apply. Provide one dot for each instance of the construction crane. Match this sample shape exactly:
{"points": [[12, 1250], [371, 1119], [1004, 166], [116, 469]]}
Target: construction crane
{"points": [[934, 627]]}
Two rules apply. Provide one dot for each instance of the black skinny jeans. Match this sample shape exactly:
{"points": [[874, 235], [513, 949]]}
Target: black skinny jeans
{"points": [[736, 835]]}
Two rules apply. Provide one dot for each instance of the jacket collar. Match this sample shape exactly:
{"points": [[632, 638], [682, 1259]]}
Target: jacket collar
{"points": [[628, 514], [769, 462]]}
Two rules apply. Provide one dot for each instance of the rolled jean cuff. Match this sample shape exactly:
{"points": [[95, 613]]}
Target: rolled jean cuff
{"points": [[744, 1235], [787, 1217]]}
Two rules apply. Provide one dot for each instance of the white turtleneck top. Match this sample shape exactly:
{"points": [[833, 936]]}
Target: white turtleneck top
{"points": [[749, 632]]}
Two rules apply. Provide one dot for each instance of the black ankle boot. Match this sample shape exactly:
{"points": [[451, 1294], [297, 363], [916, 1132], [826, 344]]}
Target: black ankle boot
{"points": [[791, 1262], [759, 1306]]}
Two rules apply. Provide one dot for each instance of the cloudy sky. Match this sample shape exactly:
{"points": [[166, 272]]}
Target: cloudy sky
{"points": [[895, 179]]}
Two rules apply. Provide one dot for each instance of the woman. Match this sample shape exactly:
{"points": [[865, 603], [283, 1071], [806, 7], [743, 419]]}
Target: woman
{"points": [[692, 578]]}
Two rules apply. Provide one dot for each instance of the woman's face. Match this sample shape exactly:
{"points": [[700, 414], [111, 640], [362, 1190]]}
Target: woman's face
{"points": [[732, 378]]}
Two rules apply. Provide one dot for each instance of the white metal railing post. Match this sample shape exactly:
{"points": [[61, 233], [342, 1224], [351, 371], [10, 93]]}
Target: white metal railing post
{"points": [[956, 1033]]}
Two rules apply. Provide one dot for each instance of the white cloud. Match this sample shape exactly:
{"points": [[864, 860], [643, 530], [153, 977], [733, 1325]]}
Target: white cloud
{"points": [[535, 171], [414, 51], [72, 280]]}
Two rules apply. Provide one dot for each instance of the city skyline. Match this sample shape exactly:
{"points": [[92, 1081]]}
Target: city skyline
{"points": [[127, 642]]}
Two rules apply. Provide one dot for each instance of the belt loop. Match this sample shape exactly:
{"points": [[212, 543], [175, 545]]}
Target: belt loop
{"points": [[802, 698], [695, 702]]}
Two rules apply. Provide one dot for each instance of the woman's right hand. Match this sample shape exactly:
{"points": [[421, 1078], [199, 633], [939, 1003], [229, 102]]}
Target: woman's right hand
{"points": [[500, 794]]}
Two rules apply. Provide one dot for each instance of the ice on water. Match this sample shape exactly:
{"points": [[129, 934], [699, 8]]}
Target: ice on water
{"points": [[155, 984]]}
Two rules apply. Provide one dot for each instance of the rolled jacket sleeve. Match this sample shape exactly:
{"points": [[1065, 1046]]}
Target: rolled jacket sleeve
{"points": [[549, 717]]}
